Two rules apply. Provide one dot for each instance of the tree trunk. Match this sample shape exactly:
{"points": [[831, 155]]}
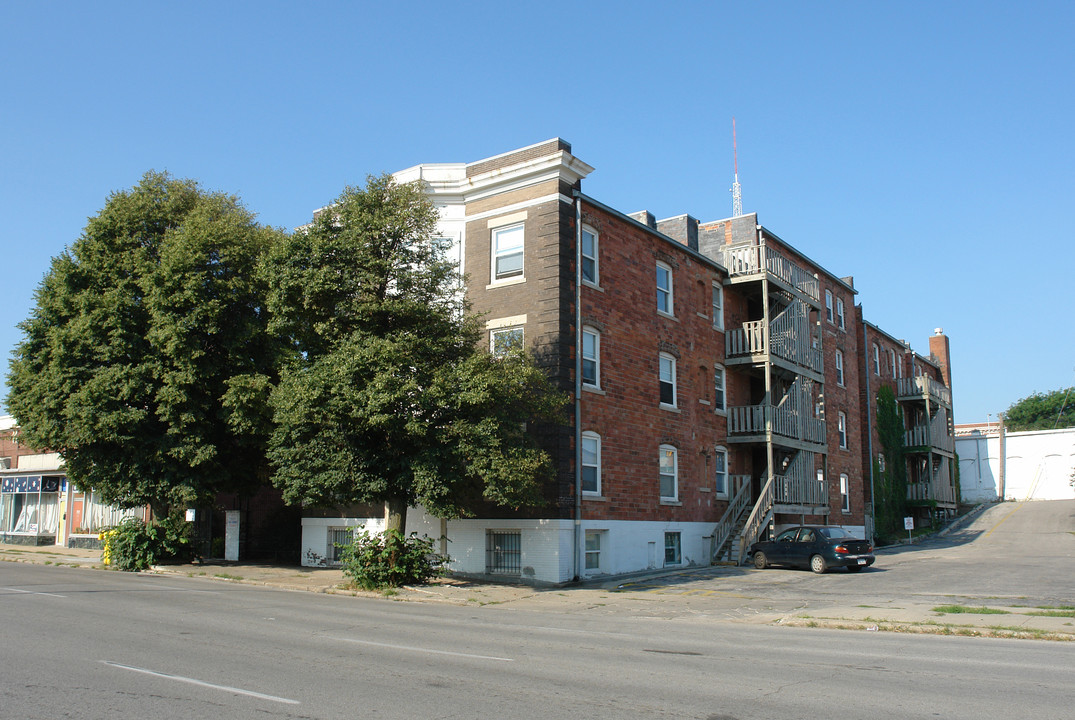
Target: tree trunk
{"points": [[395, 515], [395, 518]]}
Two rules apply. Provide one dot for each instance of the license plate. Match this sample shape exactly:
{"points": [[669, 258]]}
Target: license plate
{"points": [[862, 562]]}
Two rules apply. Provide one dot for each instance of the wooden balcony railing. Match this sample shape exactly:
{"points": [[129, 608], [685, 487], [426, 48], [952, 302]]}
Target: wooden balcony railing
{"points": [[754, 259], [921, 387], [787, 336], [934, 435], [800, 491], [759, 518], [939, 490], [740, 487], [757, 420]]}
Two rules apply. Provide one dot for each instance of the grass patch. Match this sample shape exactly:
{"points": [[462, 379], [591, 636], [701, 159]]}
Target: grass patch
{"points": [[964, 609], [228, 576], [1052, 613]]}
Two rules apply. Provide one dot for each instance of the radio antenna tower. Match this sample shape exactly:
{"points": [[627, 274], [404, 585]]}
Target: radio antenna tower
{"points": [[737, 190]]}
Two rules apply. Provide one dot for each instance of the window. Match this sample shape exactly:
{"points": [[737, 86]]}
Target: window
{"points": [[669, 472], [841, 428], [876, 360], [845, 496], [720, 472], [503, 552], [508, 252], [672, 551], [593, 549], [667, 379], [589, 256], [892, 361], [828, 305], [718, 306], [338, 536], [591, 463], [839, 367], [881, 462], [591, 357], [840, 313], [664, 289], [718, 388], [504, 340]]}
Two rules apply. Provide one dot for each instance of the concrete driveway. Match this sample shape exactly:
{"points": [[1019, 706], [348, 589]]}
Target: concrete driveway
{"points": [[1015, 561]]}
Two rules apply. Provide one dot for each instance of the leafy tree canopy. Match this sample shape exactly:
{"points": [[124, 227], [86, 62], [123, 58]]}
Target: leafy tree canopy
{"points": [[1043, 411], [145, 361], [388, 397]]}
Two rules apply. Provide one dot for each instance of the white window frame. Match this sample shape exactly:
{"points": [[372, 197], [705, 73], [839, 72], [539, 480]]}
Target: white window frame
{"points": [[845, 493], [668, 294], [876, 360], [718, 306], [503, 551], [840, 368], [664, 359], [840, 312], [596, 464], [668, 451], [720, 388], [720, 457], [841, 428], [593, 553], [595, 357], [494, 333], [594, 258], [828, 305], [676, 547], [498, 253], [892, 361]]}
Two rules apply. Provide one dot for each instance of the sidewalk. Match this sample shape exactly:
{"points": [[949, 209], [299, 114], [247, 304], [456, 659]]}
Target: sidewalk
{"points": [[686, 595]]}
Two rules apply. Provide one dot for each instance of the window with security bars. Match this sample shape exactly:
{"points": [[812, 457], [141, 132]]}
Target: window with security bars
{"points": [[503, 552], [338, 536]]}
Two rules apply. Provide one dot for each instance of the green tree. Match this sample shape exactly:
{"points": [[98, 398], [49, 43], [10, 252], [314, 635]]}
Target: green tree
{"points": [[388, 398], [890, 503], [145, 361], [1043, 411]]}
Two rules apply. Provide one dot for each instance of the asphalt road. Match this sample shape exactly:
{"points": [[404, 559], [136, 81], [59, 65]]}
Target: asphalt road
{"points": [[86, 644]]}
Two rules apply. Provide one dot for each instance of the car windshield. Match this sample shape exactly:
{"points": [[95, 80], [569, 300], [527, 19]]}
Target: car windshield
{"points": [[835, 533]]}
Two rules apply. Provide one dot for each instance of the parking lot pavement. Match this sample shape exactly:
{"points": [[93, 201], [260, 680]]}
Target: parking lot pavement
{"points": [[977, 581]]}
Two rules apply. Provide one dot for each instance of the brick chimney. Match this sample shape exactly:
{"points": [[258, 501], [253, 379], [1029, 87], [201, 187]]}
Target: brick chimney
{"points": [[938, 349]]}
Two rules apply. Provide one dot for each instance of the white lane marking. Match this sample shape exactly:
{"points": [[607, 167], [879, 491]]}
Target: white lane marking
{"points": [[427, 650], [32, 592], [192, 681]]}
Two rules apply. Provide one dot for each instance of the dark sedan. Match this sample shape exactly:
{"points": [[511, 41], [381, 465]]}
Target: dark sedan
{"points": [[817, 547]]}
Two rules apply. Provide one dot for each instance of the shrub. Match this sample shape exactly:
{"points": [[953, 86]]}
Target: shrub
{"points": [[390, 560], [134, 546]]}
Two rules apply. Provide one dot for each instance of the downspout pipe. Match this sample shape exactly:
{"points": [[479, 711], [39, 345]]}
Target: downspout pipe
{"points": [[576, 562], [869, 427]]}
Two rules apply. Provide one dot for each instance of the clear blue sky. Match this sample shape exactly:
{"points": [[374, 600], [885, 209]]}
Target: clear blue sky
{"points": [[927, 149]]}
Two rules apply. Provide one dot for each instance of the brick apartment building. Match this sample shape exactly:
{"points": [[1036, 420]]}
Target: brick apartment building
{"points": [[720, 378]]}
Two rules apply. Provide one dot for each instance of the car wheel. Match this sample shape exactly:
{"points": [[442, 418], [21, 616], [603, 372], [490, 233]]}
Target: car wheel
{"points": [[854, 568], [760, 560], [818, 564]]}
